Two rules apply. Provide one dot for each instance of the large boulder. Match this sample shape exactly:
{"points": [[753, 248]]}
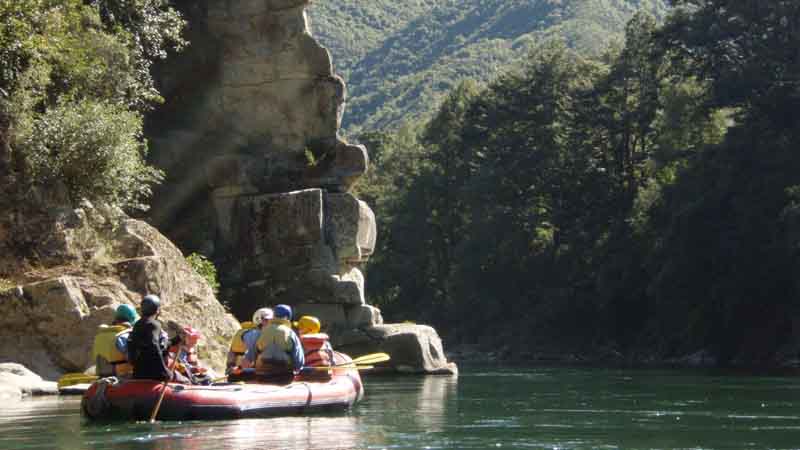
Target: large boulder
{"points": [[95, 260], [413, 348], [17, 381], [298, 247]]}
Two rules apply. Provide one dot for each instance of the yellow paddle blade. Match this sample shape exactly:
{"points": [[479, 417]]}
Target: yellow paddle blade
{"points": [[372, 358], [72, 379]]}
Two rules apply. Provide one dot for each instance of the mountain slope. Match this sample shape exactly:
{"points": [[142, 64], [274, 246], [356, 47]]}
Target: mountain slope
{"points": [[399, 57]]}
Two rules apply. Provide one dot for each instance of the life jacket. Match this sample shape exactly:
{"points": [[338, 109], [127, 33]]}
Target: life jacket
{"points": [[274, 344], [188, 363], [238, 346], [110, 361], [318, 349]]}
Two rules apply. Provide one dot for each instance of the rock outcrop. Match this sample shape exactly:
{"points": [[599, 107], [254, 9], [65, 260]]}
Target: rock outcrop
{"points": [[250, 141], [76, 267], [16, 381]]}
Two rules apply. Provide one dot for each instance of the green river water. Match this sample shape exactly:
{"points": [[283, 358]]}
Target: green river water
{"points": [[484, 408]]}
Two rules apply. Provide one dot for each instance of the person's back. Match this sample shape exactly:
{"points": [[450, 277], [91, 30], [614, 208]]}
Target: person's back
{"points": [[279, 347], [243, 350], [146, 347], [147, 344], [110, 347]]}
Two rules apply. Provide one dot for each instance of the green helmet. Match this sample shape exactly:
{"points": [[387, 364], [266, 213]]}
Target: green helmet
{"points": [[126, 313]]}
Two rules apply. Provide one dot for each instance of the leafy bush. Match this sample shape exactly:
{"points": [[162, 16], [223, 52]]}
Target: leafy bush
{"points": [[74, 82], [95, 149], [6, 284], [205, 269]]}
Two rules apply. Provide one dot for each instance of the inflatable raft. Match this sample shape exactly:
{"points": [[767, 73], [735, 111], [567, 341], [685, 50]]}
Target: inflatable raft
{"points": [[135, 399]]}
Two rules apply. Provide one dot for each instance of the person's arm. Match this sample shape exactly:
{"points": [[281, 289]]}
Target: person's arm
{"points": [[296, 353], [122, 344], [159, 341]]}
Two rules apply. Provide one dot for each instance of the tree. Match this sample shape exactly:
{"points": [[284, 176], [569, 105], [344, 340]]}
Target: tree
{"points": [[72, 90]]}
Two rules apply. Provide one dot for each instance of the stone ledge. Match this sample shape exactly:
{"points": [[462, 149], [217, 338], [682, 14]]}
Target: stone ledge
{"points": [[16, 381], [414, 349]]}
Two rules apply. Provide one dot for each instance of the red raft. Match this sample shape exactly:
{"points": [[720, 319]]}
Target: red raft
{"points": [[135, 399]]}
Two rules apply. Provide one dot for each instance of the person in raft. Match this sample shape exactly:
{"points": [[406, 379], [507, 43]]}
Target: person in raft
{"points": [[188, 364], [280, 352], [148, 346], [110, 348], [317, 346], [243, 345]]}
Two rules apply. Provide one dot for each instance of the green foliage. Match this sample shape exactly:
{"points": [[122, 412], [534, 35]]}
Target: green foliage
{"points": [[311, 160], [648, 203], [6, 284], [205, 269], [400, 58], [95, 149], [74, 81]]}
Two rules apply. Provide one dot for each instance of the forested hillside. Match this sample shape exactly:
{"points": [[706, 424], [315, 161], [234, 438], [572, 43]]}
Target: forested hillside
{"points": [[399, 57], [645, 205]]}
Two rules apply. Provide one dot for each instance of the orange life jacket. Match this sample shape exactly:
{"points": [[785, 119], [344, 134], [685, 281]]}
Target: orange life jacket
{"points": [[318, 349]]}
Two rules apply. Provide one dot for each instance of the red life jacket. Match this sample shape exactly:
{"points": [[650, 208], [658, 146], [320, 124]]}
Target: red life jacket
{"points": [[318, 349]]}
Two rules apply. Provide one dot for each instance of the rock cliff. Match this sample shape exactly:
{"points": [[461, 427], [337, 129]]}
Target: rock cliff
{"points": [[259, 178], [65, 270]]}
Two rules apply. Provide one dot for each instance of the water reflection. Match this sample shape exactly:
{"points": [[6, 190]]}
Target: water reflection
{"points": [[515, 408], [393, 408], [48, 422], [313, 433]]}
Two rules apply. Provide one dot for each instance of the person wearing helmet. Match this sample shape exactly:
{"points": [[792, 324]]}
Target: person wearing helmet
{"points": [[148, 346], [188, 363], [317, 346], [279, 347], [110, 347], [243, 345]]}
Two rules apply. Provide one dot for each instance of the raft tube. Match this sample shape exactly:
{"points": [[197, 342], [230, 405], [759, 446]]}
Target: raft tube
{"points": [[135, 399]]}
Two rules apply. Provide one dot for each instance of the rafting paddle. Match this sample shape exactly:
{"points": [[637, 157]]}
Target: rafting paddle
{"points": [[372, 358], [71, 379], [361, 363], [164, 386], [343, 366]]}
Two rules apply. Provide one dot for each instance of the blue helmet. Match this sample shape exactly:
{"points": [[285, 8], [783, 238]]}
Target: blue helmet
{"points": [[150, 305], [283, 312], [126, 313]]}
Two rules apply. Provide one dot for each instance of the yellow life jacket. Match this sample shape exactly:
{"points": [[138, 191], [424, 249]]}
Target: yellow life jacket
{"points": [[275, 343], [238, 347], [106, 354]]}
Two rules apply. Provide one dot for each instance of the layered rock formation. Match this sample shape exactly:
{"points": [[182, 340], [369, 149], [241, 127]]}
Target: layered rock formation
{"points": [[74, 267], [255, 157]]}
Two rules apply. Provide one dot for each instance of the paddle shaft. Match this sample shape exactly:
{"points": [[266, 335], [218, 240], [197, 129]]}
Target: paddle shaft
{"points": [[343, 366], [360, 363], [164, 386]]}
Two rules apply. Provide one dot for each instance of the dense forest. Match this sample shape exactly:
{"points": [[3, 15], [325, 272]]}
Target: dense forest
{"points": [[400, 58], [645, 203]]}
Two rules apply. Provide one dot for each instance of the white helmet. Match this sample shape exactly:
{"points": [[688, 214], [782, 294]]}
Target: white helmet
{"points": [[262, 314]]}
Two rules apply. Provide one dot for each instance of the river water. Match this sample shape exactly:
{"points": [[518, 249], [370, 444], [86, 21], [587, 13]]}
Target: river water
{"points": [[510, 408]]}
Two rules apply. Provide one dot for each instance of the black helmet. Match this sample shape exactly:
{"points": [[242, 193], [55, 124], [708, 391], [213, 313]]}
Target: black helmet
{"points": [[150, 305]]}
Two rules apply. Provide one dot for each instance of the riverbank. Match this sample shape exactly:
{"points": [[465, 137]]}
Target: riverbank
{"points": [[16, 382], [787, 360]]}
